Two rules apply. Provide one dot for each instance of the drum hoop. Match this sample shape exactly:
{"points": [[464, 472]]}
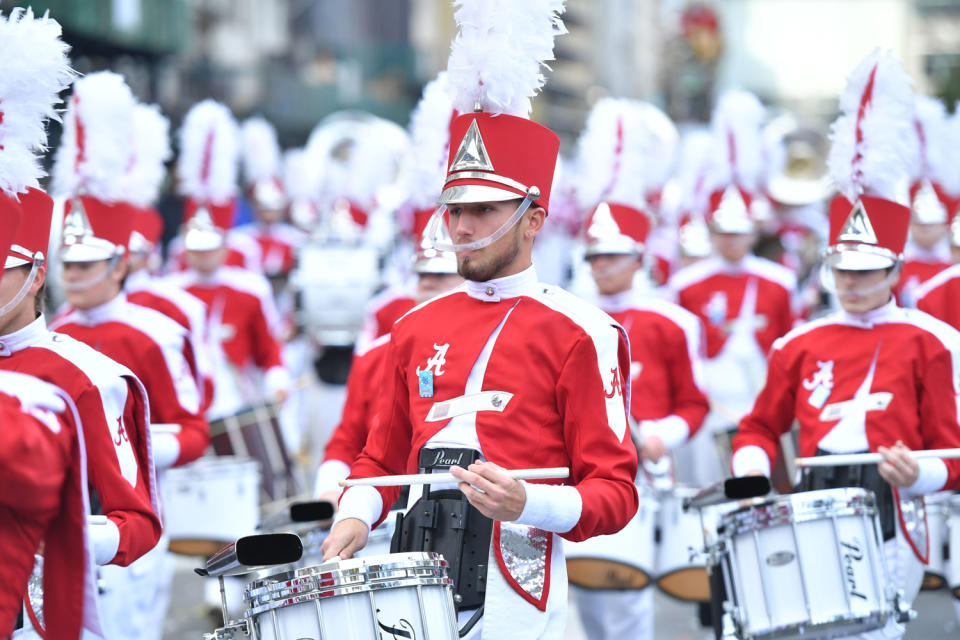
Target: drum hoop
{"points": [[427, 560], [775, 513], [308, 583], [333, 592]]}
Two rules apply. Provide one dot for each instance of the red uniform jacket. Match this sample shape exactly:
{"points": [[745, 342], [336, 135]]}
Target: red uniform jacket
{"points": [[562, 367], [856, 382], [278, 245], [43, 475], [666, 361], [113, 407], [939, 296], [382, 311], [151, 345], [713, 289]]}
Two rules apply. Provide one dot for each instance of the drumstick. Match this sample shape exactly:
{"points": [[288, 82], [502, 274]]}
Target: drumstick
{"points": [[871, 458], [447, 478], [162, 427], [96, 519]]}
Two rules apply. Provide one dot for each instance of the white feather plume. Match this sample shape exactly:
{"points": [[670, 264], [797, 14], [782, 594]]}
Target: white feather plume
{"points": [[498, 56], [150, 151], [261, 150], [659, 141], [697, 157], [881, 163], [939, 158], [36, 69], [301, 177], [738, 127], [429, 143], [610, 155], [102, 104], [209, 153]]}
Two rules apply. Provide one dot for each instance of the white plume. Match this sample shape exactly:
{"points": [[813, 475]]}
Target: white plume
{"points": [[659, 141], [429, 143], [301, 177], [738, 126], [881, 163], [36, 69], [150, 152], [498, 56], [209, 152], [261, 150], [698, 154], [97, 136], [610, 155], [939, 158]]}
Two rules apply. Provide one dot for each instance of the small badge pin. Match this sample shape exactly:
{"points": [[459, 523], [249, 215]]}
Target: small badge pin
{"points": [[425, 379]]}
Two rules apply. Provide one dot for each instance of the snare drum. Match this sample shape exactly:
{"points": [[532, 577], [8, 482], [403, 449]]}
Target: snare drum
{"points": [[937, 507], [623, 560], [684, 536], [209, 503], [806, 565], [398, 595]]}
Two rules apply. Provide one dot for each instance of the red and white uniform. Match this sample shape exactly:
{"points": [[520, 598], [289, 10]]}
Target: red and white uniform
{"points": [[472, 355], [278, 244], [112, 404], [187, 311], [243, 327], [858, 381], [363, 386], [44, 500], [919, 265], [668, 397], [938, 296], [382, 311], [152, 346]]}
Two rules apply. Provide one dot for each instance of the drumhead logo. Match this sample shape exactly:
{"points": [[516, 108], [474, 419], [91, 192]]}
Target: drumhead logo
{"points": [[403, 629], [852, 556], [780, 558]]}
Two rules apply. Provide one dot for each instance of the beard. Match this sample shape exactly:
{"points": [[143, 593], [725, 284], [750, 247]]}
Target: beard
{"points": [[489, 267]]}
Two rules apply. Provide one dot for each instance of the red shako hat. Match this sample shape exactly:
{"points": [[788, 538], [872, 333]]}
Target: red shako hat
{"points": [[146, 230], [616, 229]]}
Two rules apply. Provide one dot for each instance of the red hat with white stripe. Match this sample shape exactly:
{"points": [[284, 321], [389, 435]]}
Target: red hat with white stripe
{"points": [[873, 153], [496, 152], [616, 229], [34, 73]]}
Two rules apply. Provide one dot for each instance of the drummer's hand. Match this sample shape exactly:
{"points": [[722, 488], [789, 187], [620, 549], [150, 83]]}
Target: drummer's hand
{"points": [[500, 497], [279, 397], [653, 448], [899, 467], [346, 538]]}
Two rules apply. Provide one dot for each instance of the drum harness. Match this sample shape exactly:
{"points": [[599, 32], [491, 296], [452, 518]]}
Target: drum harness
{"points": [[443, 521]]}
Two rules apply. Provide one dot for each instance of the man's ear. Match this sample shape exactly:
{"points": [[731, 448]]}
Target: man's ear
{"points": [[40, 279], [536, 216]]}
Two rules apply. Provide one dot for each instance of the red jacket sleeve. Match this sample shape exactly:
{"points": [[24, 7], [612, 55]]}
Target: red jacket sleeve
{"points": [[938, 409], [266, 347], [603, 463], [363, 383], [688, 400], [33, 459]]}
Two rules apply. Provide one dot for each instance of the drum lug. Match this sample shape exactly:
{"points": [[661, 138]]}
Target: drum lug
{"points": [[728, 629], [235, 630]]}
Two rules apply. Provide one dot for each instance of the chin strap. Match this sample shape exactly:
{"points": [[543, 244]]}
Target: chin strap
{"points": [[17, 299], [436, 220], [97, 279], [829, 282]]}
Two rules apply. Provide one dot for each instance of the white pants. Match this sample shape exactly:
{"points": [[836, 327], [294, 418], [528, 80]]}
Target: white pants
{"points": [[612, 615]]}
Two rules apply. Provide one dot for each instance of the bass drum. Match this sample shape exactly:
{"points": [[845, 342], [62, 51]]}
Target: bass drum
{"points": [[623, 560]]}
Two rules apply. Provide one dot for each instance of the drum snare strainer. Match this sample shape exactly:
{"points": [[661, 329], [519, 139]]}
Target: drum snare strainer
{"points": [[806, 565]]}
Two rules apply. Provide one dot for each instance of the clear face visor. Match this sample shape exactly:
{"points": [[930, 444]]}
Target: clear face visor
{"points": [[95, 279], [443, 242], [11, 304], [828, 281]]}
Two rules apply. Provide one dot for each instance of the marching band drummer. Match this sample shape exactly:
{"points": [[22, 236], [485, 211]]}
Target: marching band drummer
{"points": [[873, 376], [502, 370], [666, 341]]}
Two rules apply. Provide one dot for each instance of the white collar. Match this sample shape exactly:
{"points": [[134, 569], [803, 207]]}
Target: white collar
{"points": [[940, 252], [617, 302], [868, 319], [137, 280], [30, 336], [495, 290], [110, 310]]}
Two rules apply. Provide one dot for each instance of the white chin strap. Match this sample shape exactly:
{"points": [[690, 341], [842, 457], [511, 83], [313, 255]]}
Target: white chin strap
{"points": [[829, 282], [442, 244], [17, 299], [97, 279]]}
